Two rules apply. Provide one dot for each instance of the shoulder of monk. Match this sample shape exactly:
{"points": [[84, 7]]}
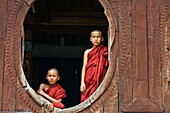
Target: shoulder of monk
{"points": [[44, 85], [58, 85], [88, 50]]}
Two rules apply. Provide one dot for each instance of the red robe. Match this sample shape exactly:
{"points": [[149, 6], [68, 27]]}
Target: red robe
{"points": [[56, 92], [96, 69]]}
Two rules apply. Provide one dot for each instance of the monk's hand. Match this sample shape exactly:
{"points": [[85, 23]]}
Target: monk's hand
{"points": [[41, 92], [50, 107], [83, 87]]}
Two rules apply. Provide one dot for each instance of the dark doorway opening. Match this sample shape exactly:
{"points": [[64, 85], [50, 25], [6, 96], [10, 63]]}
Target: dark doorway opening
{"points": [[59, 31]]}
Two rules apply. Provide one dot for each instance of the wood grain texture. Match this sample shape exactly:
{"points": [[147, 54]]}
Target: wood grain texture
{"points": [[136, 91], [154, 51], [139, 81], [164, 26], [125, 53], [2, 38], [9, 91]]}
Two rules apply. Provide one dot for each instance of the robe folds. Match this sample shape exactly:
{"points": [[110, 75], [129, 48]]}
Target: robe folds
{"points": [[57, 92], [96, 69]]}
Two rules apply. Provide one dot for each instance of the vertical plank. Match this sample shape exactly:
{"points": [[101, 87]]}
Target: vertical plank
{"points": [[164, 18], [134, 45], [125, 54], [9, 90], [2, 40], [142, 77], [154, 53]]}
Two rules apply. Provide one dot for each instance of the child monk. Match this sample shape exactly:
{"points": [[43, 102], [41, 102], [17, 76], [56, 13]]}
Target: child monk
{"points": [[95, 65], [52, 91]]}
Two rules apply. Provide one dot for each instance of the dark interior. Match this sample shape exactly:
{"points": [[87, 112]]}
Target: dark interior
{"points": [[59, 32]]}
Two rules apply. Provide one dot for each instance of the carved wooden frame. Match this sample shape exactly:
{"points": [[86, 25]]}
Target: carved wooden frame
{"points": [[165, 34], [18, 51]]}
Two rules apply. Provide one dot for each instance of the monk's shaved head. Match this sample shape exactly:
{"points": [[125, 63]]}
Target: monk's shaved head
{"points": [[53, 69], [97, 31]]}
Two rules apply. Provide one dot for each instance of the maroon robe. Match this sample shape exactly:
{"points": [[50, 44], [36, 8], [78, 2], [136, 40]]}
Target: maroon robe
{"points": [[56, 92], [96, 69]]}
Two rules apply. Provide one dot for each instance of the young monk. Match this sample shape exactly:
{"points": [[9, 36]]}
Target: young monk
{"points": [[52, 91], [95, 64]]}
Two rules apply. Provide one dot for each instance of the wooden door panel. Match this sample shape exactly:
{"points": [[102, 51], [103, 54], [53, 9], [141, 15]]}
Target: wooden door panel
{"points": [[140, 90]]}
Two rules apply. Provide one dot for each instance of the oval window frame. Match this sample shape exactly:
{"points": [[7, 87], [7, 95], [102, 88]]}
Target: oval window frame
{"points": [[112, 58]]}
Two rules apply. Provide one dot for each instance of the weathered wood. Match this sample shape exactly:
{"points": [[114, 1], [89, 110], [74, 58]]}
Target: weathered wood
{"points": [[141, 52], [165, 33], [125, 62], [16, 112], [154, 52], [9, 91], [137, 92], [18, 34], [140, 73], [2, 38], [22, 98], [110, 96]]}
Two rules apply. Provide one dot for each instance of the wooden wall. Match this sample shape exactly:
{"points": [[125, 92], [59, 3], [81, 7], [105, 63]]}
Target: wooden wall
{"points": [[139, 48]]}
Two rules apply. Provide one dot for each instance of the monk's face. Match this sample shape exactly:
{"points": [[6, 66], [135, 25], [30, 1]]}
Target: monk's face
{"points": [[52, 77], [96, 38]]}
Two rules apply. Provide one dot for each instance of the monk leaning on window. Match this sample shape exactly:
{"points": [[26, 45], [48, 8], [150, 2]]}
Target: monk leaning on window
{"points": [[95, 65], [52, 91]]}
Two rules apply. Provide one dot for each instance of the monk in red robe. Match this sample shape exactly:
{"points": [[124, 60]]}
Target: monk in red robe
{"points": [[53, 92], [95, 65]]}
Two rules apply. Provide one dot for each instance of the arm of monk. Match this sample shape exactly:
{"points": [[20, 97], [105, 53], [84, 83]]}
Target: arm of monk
{"points": [[41, 92], [83, 85]]}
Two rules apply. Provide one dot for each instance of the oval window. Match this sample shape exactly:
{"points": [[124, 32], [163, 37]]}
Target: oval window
{"points": [[56, 35]]}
